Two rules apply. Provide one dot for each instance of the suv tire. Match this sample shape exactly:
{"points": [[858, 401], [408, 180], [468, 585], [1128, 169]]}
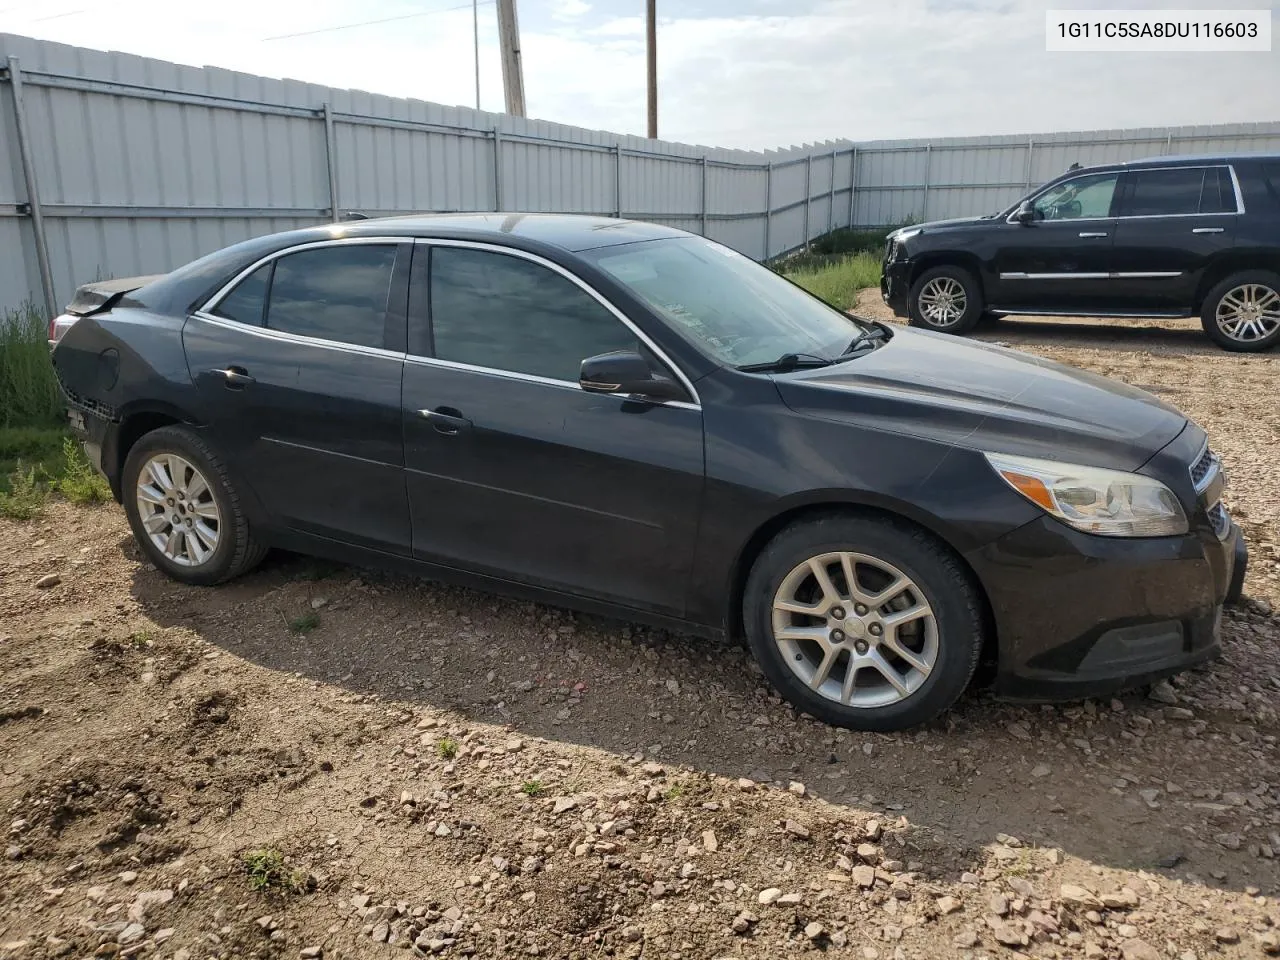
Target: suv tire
{"points": [[184, 510], [1242, 313], [945, 299], [933, 649]]}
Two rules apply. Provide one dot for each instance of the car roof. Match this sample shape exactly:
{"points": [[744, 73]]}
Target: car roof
{"points": [[1175, 160], [571, 232]]}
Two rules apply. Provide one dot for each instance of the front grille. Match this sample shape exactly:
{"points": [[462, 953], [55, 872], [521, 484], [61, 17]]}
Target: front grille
{"points": [[1201, 469]]}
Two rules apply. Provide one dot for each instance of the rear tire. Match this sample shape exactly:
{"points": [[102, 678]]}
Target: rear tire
{"points": [[184, 510], [1242, 313], [932, 645], [945, 299]]}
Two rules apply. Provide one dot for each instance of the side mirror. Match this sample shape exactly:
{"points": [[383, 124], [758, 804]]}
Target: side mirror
{"points": [[1025, 213], [626, 373]]}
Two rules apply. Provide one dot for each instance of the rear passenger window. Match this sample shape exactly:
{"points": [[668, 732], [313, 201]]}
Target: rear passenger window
{"points": [[334, 293], [248, 301], [1218, 194], [1165, 192]]}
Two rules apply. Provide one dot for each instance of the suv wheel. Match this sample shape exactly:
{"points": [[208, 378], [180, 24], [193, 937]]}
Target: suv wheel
{"points": [[946, 299], [1242, 313], [862, 622], [184, 511]]}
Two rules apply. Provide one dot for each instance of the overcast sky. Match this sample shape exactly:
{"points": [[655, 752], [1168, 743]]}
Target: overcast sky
{"points": [[734, 73]]}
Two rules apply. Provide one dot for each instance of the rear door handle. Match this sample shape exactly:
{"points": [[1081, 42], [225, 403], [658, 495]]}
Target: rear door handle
{"points": [[234, 378], [1207, 230], [446, 420], [1093, 234]]}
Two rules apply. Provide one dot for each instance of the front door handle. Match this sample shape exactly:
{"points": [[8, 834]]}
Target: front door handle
{"points": [[1089, 235], [234, 378], [446, 420], [1207, 230]]}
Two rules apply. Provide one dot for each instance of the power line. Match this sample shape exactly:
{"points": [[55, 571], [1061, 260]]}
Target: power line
{"points": [[370, 23]]}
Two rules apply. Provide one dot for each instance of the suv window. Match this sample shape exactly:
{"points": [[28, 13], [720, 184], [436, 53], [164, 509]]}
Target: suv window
{"points": [[1088, 196], [1165, 192], [335, 293], [1217, 194], [508, 313], [248, 301]]}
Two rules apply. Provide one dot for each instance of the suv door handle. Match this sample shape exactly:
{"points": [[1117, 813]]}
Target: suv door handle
{"points": [[234, 378], [1207, 230], [446, 420], [1093, 234]]}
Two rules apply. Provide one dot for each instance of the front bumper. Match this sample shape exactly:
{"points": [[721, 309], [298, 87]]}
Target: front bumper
{"points": [[1079, 615], [894, 285]]}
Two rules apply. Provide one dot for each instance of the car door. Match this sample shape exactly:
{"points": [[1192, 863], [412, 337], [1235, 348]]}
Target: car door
{"points": [[1173, 222], [1059, 262], [516, 472], [298, 368]]}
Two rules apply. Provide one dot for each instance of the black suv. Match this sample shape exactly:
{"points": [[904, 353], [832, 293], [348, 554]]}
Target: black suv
{"points": [[1166, 237]]}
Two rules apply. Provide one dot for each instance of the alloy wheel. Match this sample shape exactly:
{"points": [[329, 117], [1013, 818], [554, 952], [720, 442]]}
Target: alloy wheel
{"points": [[855, 629], [1249, 312], [942, 301], [178, 509]]}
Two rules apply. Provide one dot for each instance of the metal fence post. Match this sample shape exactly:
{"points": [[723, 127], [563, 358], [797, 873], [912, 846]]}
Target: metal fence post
{"points": [[33, 189], [617, 180], [704, 194], [808, 195], [1031, 145], [331, 161], [928, 167], [768, 205], [853, 183], [1168, 145], [831, 196], [497, 169]]}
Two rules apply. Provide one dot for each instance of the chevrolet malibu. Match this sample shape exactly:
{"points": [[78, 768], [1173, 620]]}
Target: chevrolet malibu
{"points": [[633, 421]]}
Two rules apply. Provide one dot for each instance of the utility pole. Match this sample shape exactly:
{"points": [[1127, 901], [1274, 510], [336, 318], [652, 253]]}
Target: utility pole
{"points": [[475, 35], [651, 50], [512, 70]]}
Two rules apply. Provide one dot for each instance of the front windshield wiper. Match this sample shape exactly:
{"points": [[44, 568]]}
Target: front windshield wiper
{"points": [[788, 361], [875, 334]]}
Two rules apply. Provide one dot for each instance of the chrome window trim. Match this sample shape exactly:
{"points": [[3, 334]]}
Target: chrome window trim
{"points": [[212, 303], [1133, 275], [299, 338], [1115, 315], [1235, 182], [584, 286]]}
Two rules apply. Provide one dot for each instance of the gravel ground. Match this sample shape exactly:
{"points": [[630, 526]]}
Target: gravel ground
{"points": [[435, 771]]}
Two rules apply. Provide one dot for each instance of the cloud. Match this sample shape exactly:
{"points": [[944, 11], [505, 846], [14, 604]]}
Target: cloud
{"points": [[569, 9]]}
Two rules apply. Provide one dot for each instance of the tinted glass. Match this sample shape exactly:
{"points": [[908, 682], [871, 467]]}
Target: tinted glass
{"points": [[492, 310], [1165, 192], [1271, 179], [1217, 195], [246, 301], [336, 293], [730, 306], [1088, 196]]}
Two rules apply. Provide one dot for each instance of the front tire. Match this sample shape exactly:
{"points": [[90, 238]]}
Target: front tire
{"points": [[184, 510], [945, 299], [1242, 313], [863, 622]]}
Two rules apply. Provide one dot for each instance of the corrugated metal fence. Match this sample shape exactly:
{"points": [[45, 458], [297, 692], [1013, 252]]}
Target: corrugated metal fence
{"points": [[141, 165], [920, 180]]}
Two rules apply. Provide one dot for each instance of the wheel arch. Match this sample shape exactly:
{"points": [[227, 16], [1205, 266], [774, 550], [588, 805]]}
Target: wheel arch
{"points": [[842, 503], [136, 421], [966, 260], [1229, 262]]}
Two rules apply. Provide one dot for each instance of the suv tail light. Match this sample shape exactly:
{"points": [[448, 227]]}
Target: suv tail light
{"points": [[58, 326]]}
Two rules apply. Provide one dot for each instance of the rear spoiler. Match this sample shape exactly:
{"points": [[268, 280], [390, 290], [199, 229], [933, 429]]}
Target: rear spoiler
{"points": [[93, 298]]}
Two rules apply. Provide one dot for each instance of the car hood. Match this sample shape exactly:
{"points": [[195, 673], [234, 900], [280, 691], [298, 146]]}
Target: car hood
{"points": [[988, 398], [935, 225]]}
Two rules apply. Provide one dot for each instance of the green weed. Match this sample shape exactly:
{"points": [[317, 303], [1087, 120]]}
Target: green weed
{"points": [[304, 623], [839, 283], [29, 394], [447, 748], [268, 871], [26, 496], [79, 482], [532, 788]]}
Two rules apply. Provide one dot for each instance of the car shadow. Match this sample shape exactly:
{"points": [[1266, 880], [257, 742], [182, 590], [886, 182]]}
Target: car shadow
{"points": [[1181, 337], [1118, 783]]}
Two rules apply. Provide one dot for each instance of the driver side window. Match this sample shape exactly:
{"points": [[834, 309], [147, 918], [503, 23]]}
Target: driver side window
{"points": [[1083, 197]]}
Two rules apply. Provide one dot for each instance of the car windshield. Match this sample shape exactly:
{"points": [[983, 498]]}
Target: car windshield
{"points": [[737, 310]]}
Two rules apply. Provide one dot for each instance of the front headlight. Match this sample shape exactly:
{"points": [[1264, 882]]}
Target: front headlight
{"points": [[1106, 502]]}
